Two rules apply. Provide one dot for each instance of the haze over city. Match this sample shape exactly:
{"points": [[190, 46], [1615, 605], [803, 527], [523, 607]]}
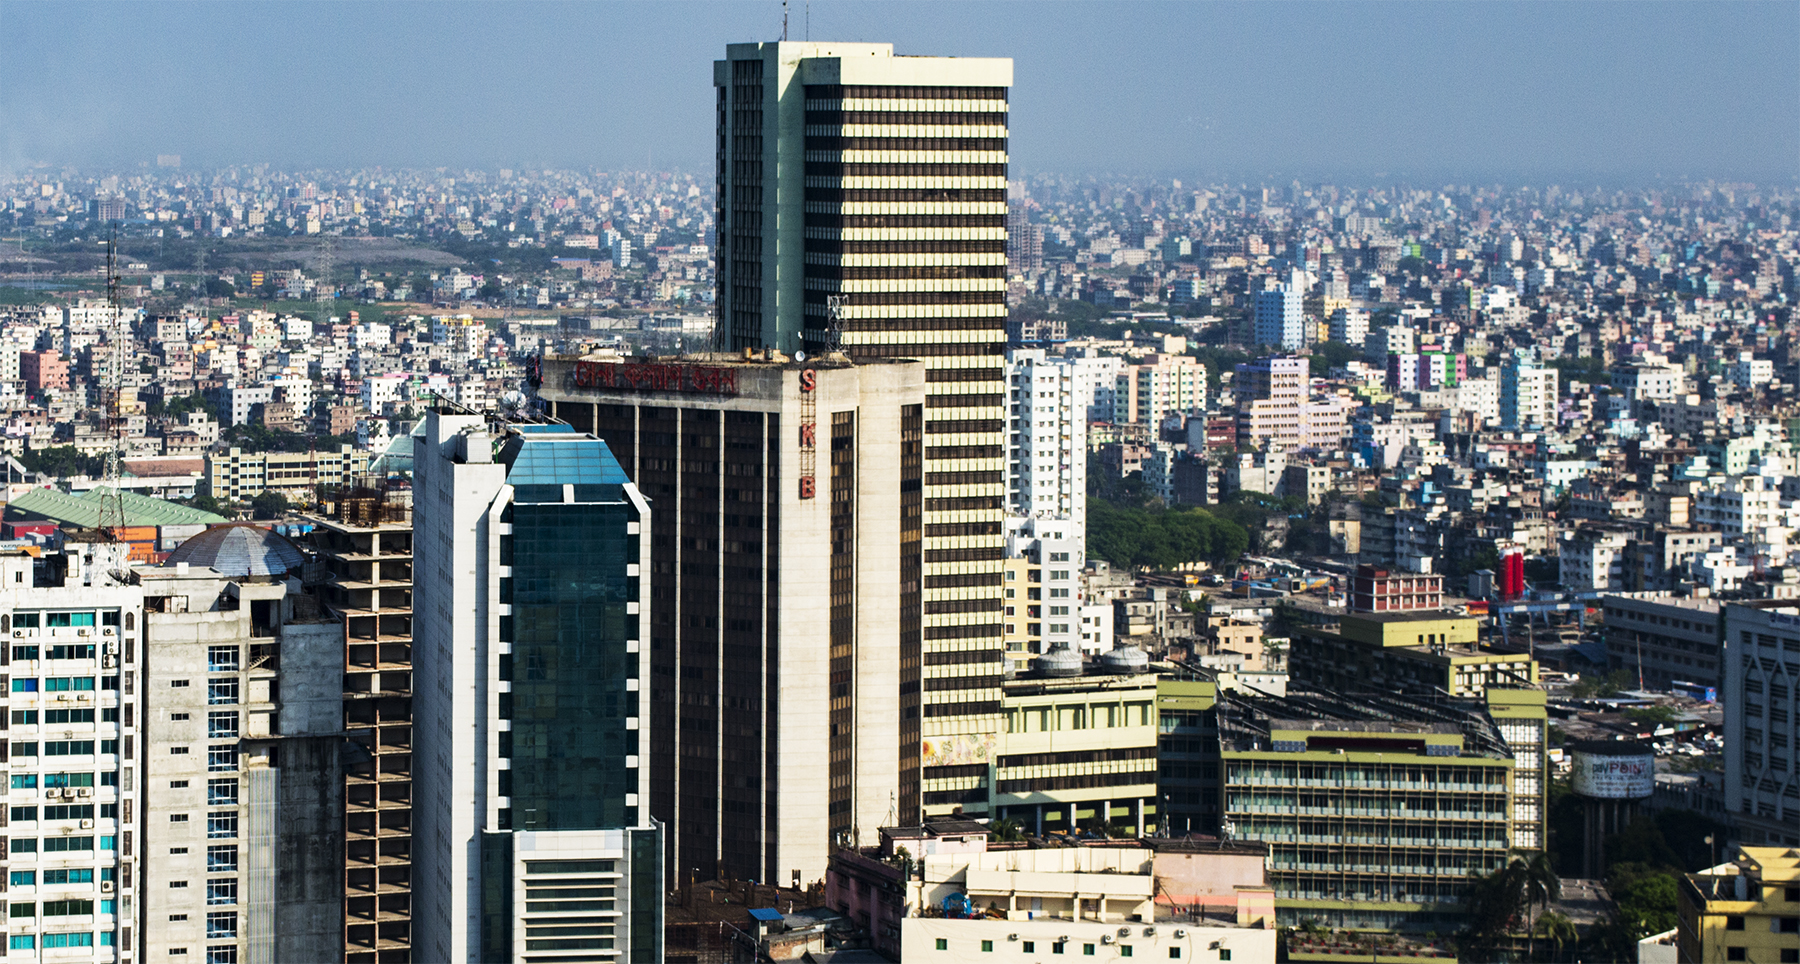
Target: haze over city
{"points": [[1520, 91]]}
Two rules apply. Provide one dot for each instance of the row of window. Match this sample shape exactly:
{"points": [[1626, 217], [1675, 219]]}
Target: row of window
{"points": [[109, 714], [59, 651], [61, 684], [1087, 950], [80, 811], [57, 845], [30, 748], [72, 875], [29, 781], [30, 942]]}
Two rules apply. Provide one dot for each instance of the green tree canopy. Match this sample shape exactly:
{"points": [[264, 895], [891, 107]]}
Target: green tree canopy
{"points": [[1161, 538]]}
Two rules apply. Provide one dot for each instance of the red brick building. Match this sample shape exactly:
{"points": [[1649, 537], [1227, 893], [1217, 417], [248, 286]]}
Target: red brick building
{"points": [[1374, 590]]}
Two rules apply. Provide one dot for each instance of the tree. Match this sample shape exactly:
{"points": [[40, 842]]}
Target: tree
{"points": [[1557, 929], [62, 461], [219, 288], [1007, 829], [206, 503], [269, 505]]}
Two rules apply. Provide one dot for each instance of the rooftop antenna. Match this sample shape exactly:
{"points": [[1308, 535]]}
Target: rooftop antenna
{"points": [[784, 36], [112, 505]]}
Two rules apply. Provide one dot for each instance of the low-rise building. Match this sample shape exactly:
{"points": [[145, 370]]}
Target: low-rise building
{"points": [[1747, 909], [1422, 653], [236, 474], [1664, 639]]}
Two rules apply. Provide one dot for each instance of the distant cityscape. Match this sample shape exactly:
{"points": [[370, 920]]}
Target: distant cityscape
{"points": [[869, 551]]}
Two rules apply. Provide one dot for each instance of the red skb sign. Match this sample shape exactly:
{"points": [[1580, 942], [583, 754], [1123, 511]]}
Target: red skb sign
{"points": [[656, 377]]}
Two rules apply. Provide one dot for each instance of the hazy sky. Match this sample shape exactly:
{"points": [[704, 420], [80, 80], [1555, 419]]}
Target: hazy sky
{"points": [[1534, 91]]}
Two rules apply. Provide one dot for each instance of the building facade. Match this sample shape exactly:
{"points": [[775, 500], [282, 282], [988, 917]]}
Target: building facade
{"points": [[530, 777], [1046, 465], [784, 596], [862, 205], [1660, 641], [1746, 909], [1762, 755], [74, 806], [235, 475]]}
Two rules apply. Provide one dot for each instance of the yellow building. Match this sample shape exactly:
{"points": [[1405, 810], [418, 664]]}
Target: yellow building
{"points": [[236, 475], [1079, 750], [1415, 652], [1024, 608], [1744, 910]]}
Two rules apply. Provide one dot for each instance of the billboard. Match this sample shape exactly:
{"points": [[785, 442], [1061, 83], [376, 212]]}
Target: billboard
{"points": [[1610, 776]]}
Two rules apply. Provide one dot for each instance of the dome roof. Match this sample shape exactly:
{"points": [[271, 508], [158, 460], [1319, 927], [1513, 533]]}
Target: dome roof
{"points": [[1125, 661], [239, 549], [1059, 661]]}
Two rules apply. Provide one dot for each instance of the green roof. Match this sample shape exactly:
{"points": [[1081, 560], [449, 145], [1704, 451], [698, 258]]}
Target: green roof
{"points": [[55, 505]]}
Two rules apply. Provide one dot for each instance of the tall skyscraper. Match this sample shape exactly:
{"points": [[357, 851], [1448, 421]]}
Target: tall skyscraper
{"points": [[1762, 678], [783, 596], [862, 205], [531, 832], [1047, 451]]}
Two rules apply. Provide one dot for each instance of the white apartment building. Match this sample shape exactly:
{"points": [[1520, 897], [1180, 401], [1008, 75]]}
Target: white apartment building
{"points": [[1047, 447], [380, 391], [1593, 559], [1528, 394], [1279, 317], [1750, 372], [1350, 326], [1762, 755], [1096, 377], [1391, 339], [1745, 504], [1163, 385], [1480, 397], [73, 629], [1055, 548]]}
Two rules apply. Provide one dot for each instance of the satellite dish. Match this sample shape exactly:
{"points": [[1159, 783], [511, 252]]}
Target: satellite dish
{"points": [[800, 355], [512, 401]]}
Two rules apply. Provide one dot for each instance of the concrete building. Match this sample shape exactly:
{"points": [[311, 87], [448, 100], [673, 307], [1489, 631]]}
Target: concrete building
{"points": [[1332, 782], [1417, 652], [820, 245], [1746, 909], [365, 543], [1080, 751], [1162, 386], [1762, 758], [1187, 785], [1161, 900], [1377, 590], [1593, 558], [1528, 394], [1279, 319], [784, 597], [72, 658], [1042, 579], [42, 370], [236, 475], [242, 725], [1046, 466], [1659, 641], [529, 774], [1274, 407]]}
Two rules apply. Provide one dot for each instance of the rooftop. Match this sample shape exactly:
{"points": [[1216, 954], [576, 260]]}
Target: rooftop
{"points": [[55, 505]]}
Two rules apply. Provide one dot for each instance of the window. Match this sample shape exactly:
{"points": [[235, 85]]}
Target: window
{"points": [[987, 947], [25, 652], [943, 944], [24, 686], [222, 891], [1124, 950], [1224, 954], [178, 784], [24, 781], [22, 942], [69, 811], [23, 845], [69, 780], [1087, 950], [53, 717], [68, 844], [222, 692], [222, 824], [24, 910], [177, 684], [1029, 947], [177, 884], [68, 684], [222, 659], [24, 717], [68, 908], [1790, 955], [23, 878], [80, 875], [69, 940], [178, 717], [222, 726], [221, 923], [223, 954], [178, 818], [69, 748], [222, 859], [1174, 953], [178, 850], [109, 842], [19, 814], [1734, 923], [221, 758], [1735, 954]]}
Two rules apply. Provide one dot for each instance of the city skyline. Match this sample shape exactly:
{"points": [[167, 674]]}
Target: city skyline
{"points": [[1615, 92]]}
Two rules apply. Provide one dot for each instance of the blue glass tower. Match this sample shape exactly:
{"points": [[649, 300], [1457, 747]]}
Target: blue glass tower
{"points": [[533, 836]]}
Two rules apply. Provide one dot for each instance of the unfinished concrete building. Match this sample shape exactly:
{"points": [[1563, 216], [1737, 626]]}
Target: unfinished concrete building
{"points": [[365, 543]]}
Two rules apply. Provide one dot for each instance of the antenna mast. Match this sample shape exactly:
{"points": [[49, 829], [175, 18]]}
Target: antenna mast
{"points": [[784, 5], [112, 505]]}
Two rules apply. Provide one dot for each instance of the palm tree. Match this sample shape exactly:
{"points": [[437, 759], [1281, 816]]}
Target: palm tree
{"points": [[1006, 828], [1556, 928], [1542, 886]]}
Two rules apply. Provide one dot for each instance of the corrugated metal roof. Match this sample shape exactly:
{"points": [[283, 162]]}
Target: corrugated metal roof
{"points": [[57, 506], [239, 549]]}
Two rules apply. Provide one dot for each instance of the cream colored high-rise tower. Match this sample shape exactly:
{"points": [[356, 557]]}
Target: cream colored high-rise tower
{"points": [[862, 208]]}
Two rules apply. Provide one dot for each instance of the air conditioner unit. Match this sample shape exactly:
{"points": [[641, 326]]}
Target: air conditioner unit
{"points": [[81, 632], [1124, 932], [1107, 938], [87, 824], [84, 792], [18, 634], [62, 697], [108, 661], [1149, 932], [112, 647], [108, 631], [1012, 937], [1179, 933], [106, 886]]}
